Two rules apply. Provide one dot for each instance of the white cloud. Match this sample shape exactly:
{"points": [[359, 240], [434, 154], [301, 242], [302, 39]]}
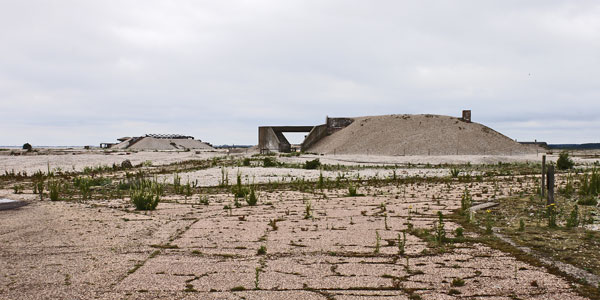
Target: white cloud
{"points": [[85, 72]]}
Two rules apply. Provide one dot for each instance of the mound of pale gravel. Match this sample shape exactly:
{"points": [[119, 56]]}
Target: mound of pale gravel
{"points": [[150, 143], [418, 135]]}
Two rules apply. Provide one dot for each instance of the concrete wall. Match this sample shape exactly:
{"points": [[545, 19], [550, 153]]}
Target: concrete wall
{"points": [[267, 139], [271, 138], [317, 133], [335, 124]]}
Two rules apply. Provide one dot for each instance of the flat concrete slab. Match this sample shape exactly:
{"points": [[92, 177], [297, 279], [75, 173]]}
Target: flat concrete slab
{"points": [[11, 204]]}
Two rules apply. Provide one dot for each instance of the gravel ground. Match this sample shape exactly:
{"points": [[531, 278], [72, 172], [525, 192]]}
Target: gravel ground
{"points": [[106, 250]]}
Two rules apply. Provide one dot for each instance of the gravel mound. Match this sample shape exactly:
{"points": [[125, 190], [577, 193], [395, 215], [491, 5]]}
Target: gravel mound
{"points": [[418, 135], [150, 143]]}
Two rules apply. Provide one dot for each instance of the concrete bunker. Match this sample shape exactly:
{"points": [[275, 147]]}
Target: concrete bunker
{"points": [[271, 138]]}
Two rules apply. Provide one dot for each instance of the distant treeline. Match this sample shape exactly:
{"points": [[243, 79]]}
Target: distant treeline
{"points": [[588, 146]]}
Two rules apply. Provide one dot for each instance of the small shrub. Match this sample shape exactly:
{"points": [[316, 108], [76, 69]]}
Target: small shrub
{"points": [[459, 232], [453, 292], [573, 220], [203, 200], [246, 162], [40, 188], [454, 172], [465, 202], [321, 182], [262, 250], [54, 189], [27, 146], [312, 164], [564, 162], [521, 225], [307, 210], [401, 243], [144, 199], [18, 189], [590, 185], [257, 278], [146, 195], [252, 199], [239, 191], [269, 162], [439, 230], [177, 183], [273, 224], [352, 191], [588, 201], [458, 282]]}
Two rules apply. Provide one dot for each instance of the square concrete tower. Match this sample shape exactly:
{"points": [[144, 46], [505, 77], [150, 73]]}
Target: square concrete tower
{"points": [[466, 116]]}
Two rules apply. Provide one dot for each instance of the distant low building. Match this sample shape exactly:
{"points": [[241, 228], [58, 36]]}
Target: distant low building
{"points": [[158, 142]]}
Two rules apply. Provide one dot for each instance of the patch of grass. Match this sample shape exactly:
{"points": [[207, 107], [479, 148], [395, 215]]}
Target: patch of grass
{"points": [[312, 164], [18, 188], [589, 201], [270, 162], [54, 189], [458, 282], [164, 246], [246, 162], [454, 172], [146, 195], [454, 292], [377, 242], [252, 199], [262, 250]]}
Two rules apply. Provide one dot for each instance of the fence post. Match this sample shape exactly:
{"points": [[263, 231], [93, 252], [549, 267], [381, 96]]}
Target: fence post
{"points": [[543, 189], [550, 185]]}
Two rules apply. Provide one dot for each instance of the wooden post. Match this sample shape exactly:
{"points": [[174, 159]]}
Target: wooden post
{"points": [[543, 189], [550, 185]]}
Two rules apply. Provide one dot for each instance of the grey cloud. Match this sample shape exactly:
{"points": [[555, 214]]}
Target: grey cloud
{"points": [[82, 72]]}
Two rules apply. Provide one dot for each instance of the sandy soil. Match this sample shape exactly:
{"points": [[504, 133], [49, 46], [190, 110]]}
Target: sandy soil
{"points": [[78, 161]]}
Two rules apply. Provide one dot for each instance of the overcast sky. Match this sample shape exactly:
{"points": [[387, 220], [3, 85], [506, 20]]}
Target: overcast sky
{"points": [[84, 72]]}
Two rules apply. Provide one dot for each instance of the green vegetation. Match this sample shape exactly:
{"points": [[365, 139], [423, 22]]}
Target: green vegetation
{"points": [[312, 164], [439, 229], [465, 203], [54, 189], [262, 250], [270, 162], [454, 172], [377, 242], [146, 194], [252, 200], [564, 162]]}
